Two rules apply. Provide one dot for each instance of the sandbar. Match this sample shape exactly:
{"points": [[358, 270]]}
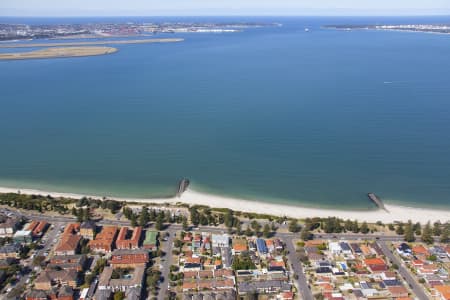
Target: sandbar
{"points": [[58, 53]]}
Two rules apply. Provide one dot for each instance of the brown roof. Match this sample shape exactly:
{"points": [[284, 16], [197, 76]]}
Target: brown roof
{"points": [[189, 285], [398, 290], [49, 276], [190, 274], [68, 243], [104, 239]]}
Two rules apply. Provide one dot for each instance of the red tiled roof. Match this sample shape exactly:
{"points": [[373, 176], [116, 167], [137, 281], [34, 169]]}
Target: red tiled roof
{"points": [[68, 243]]}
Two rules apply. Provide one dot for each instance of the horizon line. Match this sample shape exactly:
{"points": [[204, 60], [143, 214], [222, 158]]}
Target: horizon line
{"points": [[228, 15]]}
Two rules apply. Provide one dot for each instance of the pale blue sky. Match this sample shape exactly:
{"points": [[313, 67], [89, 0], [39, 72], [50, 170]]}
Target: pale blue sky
{"points": [[221, 7]]}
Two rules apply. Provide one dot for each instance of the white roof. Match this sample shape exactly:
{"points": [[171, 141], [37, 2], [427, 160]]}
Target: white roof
{"points": [[335, 247], [23, 232], [84, 293], [221, 239]]}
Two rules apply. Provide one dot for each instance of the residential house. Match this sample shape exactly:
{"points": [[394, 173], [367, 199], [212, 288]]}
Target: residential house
{"points": [[398, 291], [266, 286], [68, 262], [61, 293], [376, 265], [121, 284], [36, 295], [261, 247], [129, 258], [404, 249], [150, 242], [88, 229], [125, 241], [104, 240], [220, 240], [8, 226], [10, 251], [47, 278], [69, 245], [23, 237], [444, 292], [239, 246]]}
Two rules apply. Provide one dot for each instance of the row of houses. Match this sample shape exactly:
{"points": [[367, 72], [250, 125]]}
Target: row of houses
{"points": [[431, 266], [341, 270], [106, 240], [110, 237]]}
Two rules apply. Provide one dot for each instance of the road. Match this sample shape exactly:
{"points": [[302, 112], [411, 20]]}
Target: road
{"points": [[167, 248], [175, 227], [414, 285], [297, 268]]}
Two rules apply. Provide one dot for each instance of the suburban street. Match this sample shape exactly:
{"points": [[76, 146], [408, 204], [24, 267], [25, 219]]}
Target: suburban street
{"points": [[167, 248], [413, 284], [297, 268]]}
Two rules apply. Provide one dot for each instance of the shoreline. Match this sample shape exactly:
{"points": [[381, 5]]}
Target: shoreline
{"points": [[396, 212]]}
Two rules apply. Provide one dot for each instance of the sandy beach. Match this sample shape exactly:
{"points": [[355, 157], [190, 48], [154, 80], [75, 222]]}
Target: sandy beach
{"points": [[396, 212]]}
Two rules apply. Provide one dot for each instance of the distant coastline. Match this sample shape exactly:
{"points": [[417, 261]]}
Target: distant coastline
{"points": [[67, 44], [396, 212], [423, 28]]}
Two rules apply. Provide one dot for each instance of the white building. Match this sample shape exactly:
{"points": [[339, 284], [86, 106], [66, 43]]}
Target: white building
{"points": [[335, 248], [220, 240]]}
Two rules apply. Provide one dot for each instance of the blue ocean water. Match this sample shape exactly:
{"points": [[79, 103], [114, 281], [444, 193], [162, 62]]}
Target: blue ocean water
{"points": [[278, 114]]}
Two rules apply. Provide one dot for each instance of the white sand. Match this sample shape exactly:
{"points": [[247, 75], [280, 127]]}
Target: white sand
{"points": [[396, 212]]}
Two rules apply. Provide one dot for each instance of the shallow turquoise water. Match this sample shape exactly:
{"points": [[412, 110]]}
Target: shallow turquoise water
{"points": [[274, 114]]}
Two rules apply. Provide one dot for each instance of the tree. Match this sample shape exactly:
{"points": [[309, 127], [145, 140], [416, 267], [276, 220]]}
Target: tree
{"points": [[256, 226], [159, 222], [86, 214], [248, 231], [417, 228], [293, 225], [364, 228], [400, 230], [445, 235], [195, 217], [144, 217], [238, 228], [133, 220], [437, 228], [409, 232], [427, 234], [185, 224], [305, 234], [355, 228], [243, 262], [266, 230], [119, 295], [80, 215]]}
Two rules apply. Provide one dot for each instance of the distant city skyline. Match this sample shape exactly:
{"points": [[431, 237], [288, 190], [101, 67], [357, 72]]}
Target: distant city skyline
{"points": [[230, 7]]}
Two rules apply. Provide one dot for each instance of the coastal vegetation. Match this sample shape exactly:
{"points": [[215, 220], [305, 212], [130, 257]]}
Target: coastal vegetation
{"points": [[38, 203]]}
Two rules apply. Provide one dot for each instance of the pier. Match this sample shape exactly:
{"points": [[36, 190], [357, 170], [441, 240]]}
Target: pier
{"points": [[182, 186], [378, 202]]}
